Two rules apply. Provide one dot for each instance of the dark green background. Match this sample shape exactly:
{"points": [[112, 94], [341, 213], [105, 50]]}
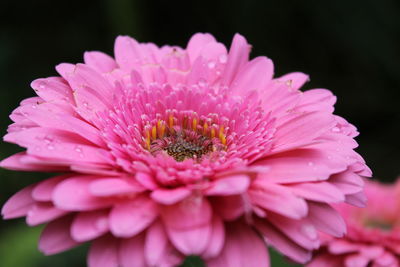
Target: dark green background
{"points": [[349, 47]]}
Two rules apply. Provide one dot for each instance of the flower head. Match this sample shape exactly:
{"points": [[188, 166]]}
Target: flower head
{"points": [[373, 232], [166, 152]]}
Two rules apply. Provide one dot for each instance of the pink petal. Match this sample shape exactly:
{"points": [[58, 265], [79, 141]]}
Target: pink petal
{"points": [[356, 260], [188, 224], [53, 89], [131, 252], [231, 185], [238, 56], [230, 207], [146, 180], [282, 243], [243, 248], [301, 232], [348, 182], [318, 191], [254, 76], [326, 260], [19, 204], [192, 241], [99, 61], [84, 76], [357, 199], [214, 52], [386, 260], [81, 128], [302, 165], [156, 244], [127, 53], [43, 191], [58, 145], [131, 217], [278, 199], [89, 103], [302, 129], [217, 239], [89, 225], [43, 212], [326, 219], [188, 214], [65, 69], [197, 43], [170, 196], [17, 162], [282, 94], [56, 238], [82, 199], [114, 186], [341, 246], [316, 100], [104, 252]]}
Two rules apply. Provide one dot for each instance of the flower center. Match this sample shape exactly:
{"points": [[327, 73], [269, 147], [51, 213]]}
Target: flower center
{"points": [[185, 135]]}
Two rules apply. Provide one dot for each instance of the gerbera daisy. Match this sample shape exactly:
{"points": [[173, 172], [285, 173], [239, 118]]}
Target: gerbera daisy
{"points": [[373, 237], [167, 152]]}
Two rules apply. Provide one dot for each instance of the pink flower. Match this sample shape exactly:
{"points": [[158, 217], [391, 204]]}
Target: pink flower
{"points": [[373, 237], [167, 152]]}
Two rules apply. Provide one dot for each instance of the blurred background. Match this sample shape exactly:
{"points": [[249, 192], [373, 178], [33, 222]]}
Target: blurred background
{"points": [[349, 47]]}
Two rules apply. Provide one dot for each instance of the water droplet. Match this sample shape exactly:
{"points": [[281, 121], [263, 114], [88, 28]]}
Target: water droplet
{"points": [[48, 139], [211, 64], [42, 85], [85, 104], [335, 129], [223, 58], [50, 147], [202, 82], [309, 231], [310, 163]]}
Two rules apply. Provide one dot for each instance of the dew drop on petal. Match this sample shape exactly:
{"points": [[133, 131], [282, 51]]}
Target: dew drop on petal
{"points": [[79, 150], [42, 85], [223, 58], [211, 64], [202, 82], [309, 231], [50, 147]]}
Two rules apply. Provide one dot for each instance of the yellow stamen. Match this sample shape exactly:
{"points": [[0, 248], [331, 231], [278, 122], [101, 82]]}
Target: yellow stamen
{"points": [[161, 129], [212, 132], [147, 140], [185, 122], [221, 130], [171, 121], [205, 128], [194, 124], [154, 132], [223, 139]]}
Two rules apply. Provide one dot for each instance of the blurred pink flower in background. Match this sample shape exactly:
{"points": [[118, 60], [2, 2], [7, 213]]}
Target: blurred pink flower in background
{"points": [[167, 152], [373, 233]]}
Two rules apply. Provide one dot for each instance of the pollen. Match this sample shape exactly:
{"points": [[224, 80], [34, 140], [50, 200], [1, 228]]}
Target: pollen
{"points": [[184, 135]]}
